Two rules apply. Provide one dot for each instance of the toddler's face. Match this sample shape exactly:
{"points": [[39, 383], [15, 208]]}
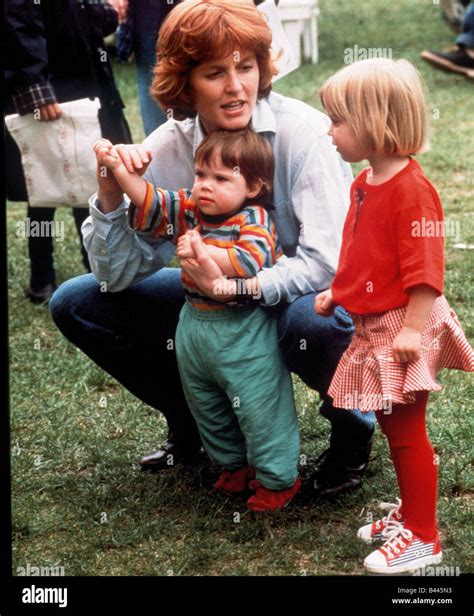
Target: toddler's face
{"points": [[346, 142], [220, 190]]}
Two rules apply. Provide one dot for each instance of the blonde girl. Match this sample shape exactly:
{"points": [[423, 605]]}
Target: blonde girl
{"points": [[390, 279]]}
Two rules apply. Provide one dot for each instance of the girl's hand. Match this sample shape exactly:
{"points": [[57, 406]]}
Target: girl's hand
{"points": [[407, 345], [323, 304], [185, 249]]}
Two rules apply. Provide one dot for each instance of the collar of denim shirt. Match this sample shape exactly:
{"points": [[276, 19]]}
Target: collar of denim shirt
{"points": [[263, 121]]}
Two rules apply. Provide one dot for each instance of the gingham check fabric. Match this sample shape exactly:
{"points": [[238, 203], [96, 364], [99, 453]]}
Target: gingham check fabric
{"points": [[369, 379]]}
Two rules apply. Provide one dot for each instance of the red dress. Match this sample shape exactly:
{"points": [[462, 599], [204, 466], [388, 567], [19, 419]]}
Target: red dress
{"points": [[392, 241]]}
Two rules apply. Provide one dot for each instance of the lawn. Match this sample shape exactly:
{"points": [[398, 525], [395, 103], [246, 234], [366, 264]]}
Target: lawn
{"points": [[79, 499]]}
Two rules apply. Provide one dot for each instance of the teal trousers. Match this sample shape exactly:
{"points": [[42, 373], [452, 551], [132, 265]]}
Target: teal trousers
{"points": [[239, 391]]}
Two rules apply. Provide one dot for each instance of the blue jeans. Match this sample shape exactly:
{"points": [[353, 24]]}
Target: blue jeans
{"points": [[145, 57], [131, 334], [312, 346], [467, 35]]}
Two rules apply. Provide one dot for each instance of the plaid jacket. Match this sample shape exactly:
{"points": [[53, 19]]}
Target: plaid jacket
{"points": [[55, 52], [48, 48]]}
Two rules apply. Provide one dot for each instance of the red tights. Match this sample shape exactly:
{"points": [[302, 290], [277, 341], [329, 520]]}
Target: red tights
{"points": [[415, 464]]}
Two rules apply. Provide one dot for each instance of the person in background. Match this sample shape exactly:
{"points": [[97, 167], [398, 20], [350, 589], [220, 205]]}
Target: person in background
{"points": [[140, 23], [55, 53], [461, 59]]}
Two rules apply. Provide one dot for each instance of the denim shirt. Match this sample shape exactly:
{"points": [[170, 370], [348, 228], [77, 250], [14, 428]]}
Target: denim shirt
{"points": [[311, 198]]}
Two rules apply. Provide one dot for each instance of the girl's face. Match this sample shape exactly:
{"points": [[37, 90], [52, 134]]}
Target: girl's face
{"points": [[346, 142], [224, 91], [220, 190]]}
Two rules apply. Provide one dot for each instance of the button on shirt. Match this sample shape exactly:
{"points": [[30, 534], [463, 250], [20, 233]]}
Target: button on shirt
{"points": [[391, 242], [311, 199]]}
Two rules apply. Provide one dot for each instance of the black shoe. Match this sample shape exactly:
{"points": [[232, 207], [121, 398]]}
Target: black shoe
{"points": [[457, 61], [168, 456], [334, 475], [41, 295]]}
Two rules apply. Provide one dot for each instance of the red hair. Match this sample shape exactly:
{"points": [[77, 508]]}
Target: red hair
{"points": [[199, 30]]}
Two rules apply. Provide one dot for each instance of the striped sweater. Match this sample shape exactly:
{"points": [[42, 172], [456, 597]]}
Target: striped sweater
{"points": [[249, 235]]}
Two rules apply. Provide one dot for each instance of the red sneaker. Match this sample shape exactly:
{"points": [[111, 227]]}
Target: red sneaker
{"points": [[270, 500], [403, 552], [384, 528], [235, 481]]}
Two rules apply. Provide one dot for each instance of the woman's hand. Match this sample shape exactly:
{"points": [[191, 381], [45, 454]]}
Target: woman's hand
{"points": [[50, 112], [106, 155], [185, 249], [407, 345], [323, 304], [134, 157], [204, 271]]}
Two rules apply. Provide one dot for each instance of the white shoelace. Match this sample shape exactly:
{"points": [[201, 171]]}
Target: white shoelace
{"points": [[397, 540], [391, 507], [391, 526]]}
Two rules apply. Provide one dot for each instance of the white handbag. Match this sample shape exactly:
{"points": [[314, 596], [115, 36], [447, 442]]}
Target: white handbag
{"points": [[58, 162]]}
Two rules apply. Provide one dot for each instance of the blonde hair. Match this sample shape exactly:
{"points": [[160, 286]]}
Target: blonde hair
{"points": [[200, 30], [382, 100]]}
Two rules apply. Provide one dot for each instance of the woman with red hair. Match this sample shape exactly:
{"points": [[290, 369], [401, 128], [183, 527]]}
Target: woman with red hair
{"points": [[214, 72]]}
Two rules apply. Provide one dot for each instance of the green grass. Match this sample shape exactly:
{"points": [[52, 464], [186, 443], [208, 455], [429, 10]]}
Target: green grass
{"points": [[79, 499]]}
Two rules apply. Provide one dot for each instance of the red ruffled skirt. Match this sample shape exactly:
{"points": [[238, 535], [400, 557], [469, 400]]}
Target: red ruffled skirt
{"points": [[367, 377]]}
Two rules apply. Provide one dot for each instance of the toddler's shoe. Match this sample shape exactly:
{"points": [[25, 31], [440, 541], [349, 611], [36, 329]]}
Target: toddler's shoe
{"points": [[235, 481], [384, 528], [402, 553], [270, 500]]}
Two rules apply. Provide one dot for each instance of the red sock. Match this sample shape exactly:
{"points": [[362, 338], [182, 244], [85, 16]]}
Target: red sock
{"points": [[415, 464]]}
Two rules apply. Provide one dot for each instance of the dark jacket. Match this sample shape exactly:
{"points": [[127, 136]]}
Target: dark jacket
{"points": [[144, 19], [55, 52], [148, 15]]}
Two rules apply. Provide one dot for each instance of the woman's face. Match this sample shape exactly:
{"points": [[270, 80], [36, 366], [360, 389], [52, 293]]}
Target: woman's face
{"points": [[224, 91]]}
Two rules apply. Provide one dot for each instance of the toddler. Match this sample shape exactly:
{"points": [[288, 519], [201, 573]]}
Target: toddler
{"points": [[234, 376]]}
